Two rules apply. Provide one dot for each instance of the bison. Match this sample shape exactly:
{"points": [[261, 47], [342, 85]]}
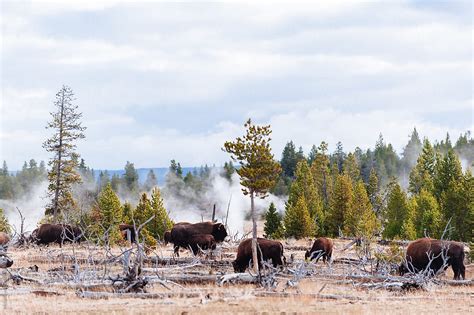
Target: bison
{"points": [[430, 253], [4, 239], [167, 237], [182, 233], [322, 247], [200, 242], [267, 248], [127, 231], [57, 233]]}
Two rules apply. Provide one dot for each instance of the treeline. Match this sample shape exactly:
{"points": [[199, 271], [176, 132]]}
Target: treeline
{"points": [[359, 193], [15, 186]]}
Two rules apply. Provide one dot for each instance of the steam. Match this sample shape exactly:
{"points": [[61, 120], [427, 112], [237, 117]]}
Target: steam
{"points": [[190, 206], [31, 206]]}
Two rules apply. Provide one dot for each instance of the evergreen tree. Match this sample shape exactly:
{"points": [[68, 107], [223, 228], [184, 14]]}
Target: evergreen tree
{"points": [[130, 178], [339, 156], [322, 175], [289, 160], [397, 213], [273, 225], [360, 219], [229, 170], [341, 203], [141, 214], [448, 169], [258, 170], [107, 215], [312, 154], [161, 222], [115, 182], [422, 174], [373, 193], [303, 186], [411, 152], [351, 168], [297, 220], [150, 181], [62, 175], [127, 213], [428, 215], [4, 225]]}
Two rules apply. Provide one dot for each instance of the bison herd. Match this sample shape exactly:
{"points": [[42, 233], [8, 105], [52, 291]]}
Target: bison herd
{"points": [[423, 255]]}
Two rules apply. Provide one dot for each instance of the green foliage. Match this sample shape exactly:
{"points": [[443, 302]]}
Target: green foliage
{"points": [[448, 169], [273, 223], [63, 174], [428, 215], [141, 214], [290, 159], [360, 220], [397, 213], [351, 168], [258, 170], [297, 220], [4, 225], [341, 203], [161, 222], [304, 187], [107, 215], [229, 170], [421, 176], [130, 178]]}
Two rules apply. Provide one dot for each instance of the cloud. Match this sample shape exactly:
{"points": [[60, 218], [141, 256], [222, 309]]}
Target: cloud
{"points": [[166, 79]]}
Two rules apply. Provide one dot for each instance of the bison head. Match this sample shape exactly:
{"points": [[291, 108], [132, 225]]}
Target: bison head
{"points": [[219, 232], [402, 269], [167, 237], [238, 267]]}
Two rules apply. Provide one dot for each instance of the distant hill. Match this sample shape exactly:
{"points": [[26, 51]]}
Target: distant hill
{"points": [[160, 173]]}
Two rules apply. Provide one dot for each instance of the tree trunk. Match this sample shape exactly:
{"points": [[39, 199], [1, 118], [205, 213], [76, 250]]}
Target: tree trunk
{"points": [[254, 233], [58, 171]]}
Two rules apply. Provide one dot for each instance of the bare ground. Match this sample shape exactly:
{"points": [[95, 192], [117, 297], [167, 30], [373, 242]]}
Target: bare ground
{"points": [[328, 289]]}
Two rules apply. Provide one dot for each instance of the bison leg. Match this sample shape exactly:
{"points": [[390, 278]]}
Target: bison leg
{"points": [[459, 271], [176, 250]]}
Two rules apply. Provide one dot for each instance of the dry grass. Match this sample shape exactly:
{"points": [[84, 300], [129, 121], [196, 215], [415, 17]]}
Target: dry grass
{"points": [[209, 298]]}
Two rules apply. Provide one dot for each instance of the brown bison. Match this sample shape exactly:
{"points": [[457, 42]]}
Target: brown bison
{"points": [[167, 237], [322, 247], [421, 252], [200, 242], [56, 233], [269, 249], [128, 232], [182, 233], [4, 239]]}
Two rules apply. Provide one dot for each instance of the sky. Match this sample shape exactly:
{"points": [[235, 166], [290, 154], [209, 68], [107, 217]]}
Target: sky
{"points": [[157, 81]]}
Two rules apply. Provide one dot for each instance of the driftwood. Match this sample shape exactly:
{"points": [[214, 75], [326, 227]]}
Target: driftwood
{"points": [[237, 277]]}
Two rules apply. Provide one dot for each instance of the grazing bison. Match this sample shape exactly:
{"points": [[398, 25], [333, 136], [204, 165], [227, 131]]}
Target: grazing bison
{"points": [[126, 230], [182, 233], [202, 241], [4, 239], [269, 249], [420, 252], [322, 247], [167, 237], [56, 233]]}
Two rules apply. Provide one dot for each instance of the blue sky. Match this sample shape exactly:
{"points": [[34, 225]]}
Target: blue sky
{"points": [[157, 81]]}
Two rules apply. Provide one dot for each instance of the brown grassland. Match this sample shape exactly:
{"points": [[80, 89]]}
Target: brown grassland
{"points": [[327, 289]]}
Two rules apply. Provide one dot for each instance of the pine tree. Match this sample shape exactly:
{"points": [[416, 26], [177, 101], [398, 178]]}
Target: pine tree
{"points": [[273, 225], [322, 176], [161, 222], [289, 160], [150, 181], [360, 219], [351, 168], [411, 152], [127, 213], [303, 186], [107, 215], [447, 169], [422, 174], [229, 170], [141, 214], [63, 175], [397, 213], [130, 178], [258, 170], [339, 156], [297, 220], [341, 203], [4, 225], [428, 215], [373, 193]]}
